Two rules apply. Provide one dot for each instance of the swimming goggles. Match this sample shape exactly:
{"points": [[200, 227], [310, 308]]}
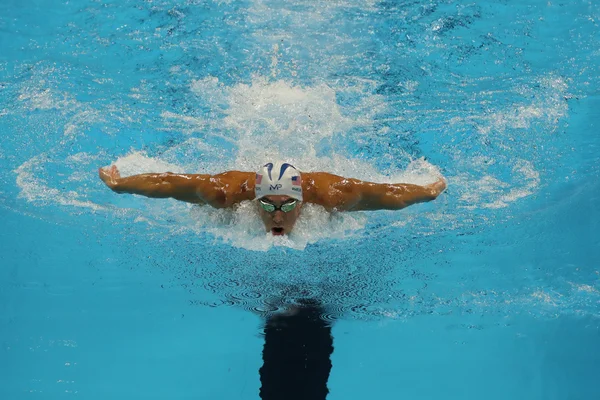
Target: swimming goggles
{"points": [[285, 207]]}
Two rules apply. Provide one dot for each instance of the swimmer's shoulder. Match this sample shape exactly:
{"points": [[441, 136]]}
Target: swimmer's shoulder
{"points": [[310, 181], [236, 185], [317, 188]]}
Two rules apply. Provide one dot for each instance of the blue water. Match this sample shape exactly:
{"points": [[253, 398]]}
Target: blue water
{"points": [[492, 291]]}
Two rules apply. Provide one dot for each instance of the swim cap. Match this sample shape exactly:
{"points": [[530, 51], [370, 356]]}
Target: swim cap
{"points": [[276, 178]]}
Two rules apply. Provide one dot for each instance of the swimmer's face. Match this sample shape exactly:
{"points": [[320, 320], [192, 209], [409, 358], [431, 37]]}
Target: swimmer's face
{"points": [[278, 222]]}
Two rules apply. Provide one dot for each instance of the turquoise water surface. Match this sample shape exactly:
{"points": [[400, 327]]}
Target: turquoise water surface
{"points": [[491, 291]]}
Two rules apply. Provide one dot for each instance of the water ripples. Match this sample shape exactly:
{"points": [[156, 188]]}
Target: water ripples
{"points": [[452, 88]]}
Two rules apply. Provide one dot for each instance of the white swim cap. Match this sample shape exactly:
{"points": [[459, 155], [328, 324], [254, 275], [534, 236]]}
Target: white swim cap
{"points": [[277, 178]]}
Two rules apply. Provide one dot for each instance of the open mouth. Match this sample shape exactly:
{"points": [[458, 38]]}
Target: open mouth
{"points": [[277, 231]]}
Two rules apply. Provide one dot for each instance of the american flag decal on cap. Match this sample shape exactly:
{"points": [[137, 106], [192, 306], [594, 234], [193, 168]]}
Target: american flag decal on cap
{"points": [[258, 179], [296, 181]]}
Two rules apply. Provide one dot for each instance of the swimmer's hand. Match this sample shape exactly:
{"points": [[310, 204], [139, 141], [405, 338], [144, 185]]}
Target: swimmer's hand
{"points": [[437, 187], [110, 176]]}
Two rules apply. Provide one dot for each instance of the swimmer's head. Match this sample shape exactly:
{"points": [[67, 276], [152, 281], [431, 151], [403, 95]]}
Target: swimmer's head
{"points": [[278, 179], [278, 190]]}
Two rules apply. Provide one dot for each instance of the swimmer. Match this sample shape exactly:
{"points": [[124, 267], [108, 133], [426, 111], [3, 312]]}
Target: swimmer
{"points": [[279, 190]]}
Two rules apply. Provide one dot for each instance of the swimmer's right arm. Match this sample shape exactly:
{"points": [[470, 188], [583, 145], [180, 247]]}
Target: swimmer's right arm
{"points": [[221, 190]]}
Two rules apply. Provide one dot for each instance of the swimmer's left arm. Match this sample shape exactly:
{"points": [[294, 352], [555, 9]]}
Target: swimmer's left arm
{"points": [[336, 193], [378, 196]]}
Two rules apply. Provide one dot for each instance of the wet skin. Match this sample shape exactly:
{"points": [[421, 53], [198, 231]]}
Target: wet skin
{"points": [[335, 193], [279, 222]]}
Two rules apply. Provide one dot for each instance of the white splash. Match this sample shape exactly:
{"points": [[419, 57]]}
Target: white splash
{"points": [[242, 226], [262, 120], [277, 120], [491, 192], [36, 189], [139, 163], [42, 98], [530, 180], [547, 106], [481, 188], [263, 110]]}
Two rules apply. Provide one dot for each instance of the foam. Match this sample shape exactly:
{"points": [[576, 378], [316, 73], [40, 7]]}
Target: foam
{"points": [[81, 118], [302, 14], [38, 93], [138, 162], [585, 288], [35, 189], [539, 301], [242, 226], [493, 193], [263, 120], [497, 180], [530, 179], [547, 106], [278, 120], [184, 123], [268, 118], [43, 99], [263, 109], [544, 297]]}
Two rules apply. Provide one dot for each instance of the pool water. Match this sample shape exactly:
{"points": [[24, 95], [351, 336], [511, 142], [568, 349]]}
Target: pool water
{"points": [[491, 291]]}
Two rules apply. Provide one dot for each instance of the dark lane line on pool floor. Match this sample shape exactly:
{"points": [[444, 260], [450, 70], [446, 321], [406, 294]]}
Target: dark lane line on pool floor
{"points": [[297, 354]]}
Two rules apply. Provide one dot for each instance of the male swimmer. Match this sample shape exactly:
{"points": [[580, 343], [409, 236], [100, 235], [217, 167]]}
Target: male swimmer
{"points": [[279, 189]]}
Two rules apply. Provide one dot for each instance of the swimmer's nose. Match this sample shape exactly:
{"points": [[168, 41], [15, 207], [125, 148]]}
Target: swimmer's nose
{"points": [[278, 217]]}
